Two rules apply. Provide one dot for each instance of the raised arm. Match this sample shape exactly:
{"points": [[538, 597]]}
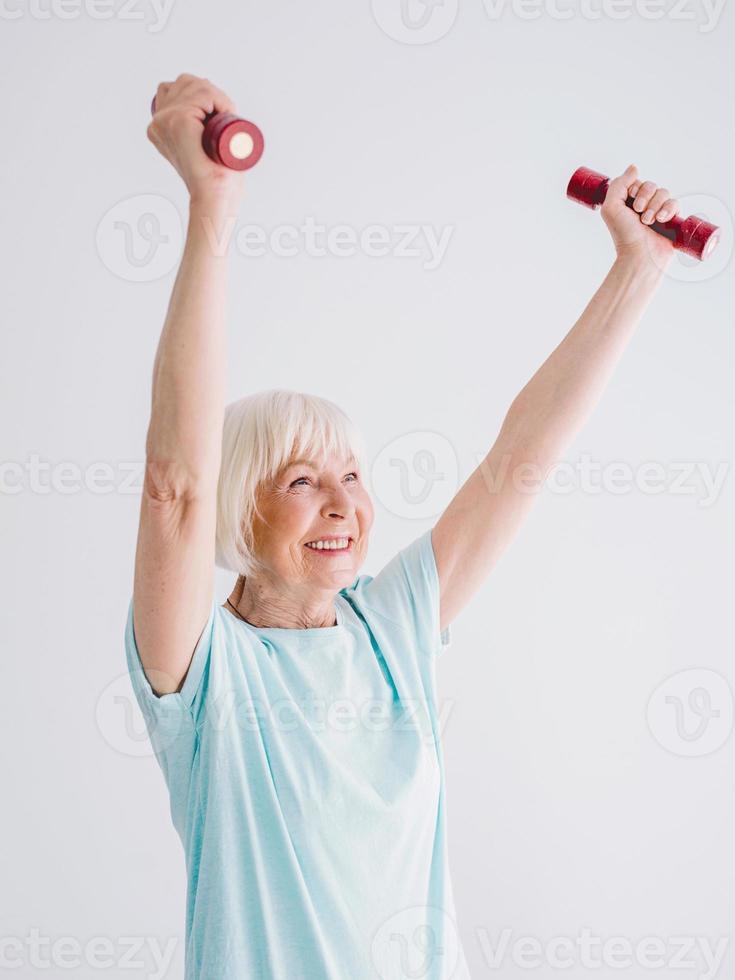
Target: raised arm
{"points": [[487, 511], [174, 560]]}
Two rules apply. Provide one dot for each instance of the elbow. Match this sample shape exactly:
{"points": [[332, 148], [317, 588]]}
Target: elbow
{"points": [[168, 481], [528, 437]]}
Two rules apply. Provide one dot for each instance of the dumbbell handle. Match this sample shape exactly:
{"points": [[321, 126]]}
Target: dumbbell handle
{"points": [[230, 141], [692, 235]]}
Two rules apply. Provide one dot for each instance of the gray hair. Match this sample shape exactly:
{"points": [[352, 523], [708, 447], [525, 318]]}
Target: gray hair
{"points": [[261, 433]]}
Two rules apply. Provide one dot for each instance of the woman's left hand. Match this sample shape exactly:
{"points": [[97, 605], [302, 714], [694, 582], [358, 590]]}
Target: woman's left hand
{"points": [[628, 226]]}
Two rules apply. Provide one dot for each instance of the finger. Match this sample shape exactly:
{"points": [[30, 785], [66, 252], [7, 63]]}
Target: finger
{"points": [[206, 96], [654, 205], [161, 93], [634, 188], [619, 187], [221, 102], [668, 210], [170, 92], [644, 195]]}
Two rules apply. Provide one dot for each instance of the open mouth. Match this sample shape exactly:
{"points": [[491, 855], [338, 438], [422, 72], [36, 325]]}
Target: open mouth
{"points": [[336, 548]]}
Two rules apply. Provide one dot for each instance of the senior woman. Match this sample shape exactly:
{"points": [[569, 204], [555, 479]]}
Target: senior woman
{"points": [[296, 723]]}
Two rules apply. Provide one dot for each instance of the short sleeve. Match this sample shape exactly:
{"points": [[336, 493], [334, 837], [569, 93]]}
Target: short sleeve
{"points": [[407, 591], [170, 719]]}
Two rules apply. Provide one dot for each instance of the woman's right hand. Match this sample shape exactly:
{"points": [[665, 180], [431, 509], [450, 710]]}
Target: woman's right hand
{"points": [[176, 131]]}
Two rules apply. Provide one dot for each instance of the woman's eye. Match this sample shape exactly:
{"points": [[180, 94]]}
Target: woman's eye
{"points": [[306, 478]]}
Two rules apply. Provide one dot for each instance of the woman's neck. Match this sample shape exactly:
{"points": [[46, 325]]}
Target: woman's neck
{"points": [[265, 605]]}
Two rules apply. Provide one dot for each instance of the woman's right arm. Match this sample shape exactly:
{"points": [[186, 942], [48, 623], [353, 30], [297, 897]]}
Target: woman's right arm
{"points": [[174, 560]]}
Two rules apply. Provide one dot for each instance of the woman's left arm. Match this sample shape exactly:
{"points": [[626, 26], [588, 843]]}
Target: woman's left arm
{"points": [[487, 511]]}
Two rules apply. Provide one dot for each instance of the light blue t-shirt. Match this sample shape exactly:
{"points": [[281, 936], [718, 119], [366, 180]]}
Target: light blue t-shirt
{"points": [[306, 782]]}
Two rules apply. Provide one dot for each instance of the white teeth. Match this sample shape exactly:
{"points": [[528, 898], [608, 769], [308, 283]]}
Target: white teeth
{"points": [[339, 545]]}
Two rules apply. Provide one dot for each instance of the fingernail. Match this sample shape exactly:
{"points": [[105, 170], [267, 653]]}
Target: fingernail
{"points": [[648, 217]]}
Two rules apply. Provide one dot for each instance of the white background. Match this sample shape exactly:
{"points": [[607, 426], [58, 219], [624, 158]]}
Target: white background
{"points": [[568, 809]]}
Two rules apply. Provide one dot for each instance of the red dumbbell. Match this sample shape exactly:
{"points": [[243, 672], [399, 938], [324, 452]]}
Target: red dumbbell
{"points": [[692, 235], [235, 143]]}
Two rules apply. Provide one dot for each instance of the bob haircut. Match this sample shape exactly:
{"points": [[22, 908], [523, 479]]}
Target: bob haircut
{"points": [[261, 433]]}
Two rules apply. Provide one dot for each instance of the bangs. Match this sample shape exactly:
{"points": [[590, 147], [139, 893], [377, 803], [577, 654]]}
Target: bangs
{"points": [[262, 434]]}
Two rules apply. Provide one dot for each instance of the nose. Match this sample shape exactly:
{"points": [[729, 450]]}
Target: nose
{"points": [[339, 503]]}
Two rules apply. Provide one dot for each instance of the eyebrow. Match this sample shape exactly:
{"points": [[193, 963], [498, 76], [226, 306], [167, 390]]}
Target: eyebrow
{"points": [[307, 462]]}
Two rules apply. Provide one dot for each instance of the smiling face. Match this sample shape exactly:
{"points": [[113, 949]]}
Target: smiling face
{"points": [[313, 500]]}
